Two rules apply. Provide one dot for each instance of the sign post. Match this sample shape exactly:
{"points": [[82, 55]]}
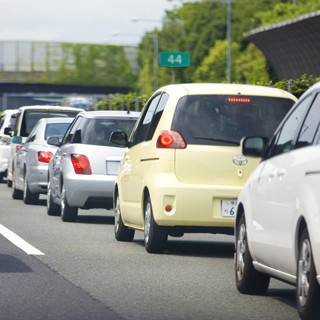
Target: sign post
{"points": [[174, 59]]}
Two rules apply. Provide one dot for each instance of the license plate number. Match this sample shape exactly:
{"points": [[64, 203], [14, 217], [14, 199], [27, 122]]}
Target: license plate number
{"points": [[229, 208]]}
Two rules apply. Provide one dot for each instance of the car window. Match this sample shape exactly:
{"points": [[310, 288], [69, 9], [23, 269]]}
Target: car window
{"points": [[157, 115], [142, 128], [31, 117], [283, 140], [98, 131], [310, 128], [78, 131], [224, 119], [55, 129], [2, 120], [71, 130], [32, 134]]}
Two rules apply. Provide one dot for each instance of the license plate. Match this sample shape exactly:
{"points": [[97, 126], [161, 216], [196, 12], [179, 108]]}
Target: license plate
{"points": [[229, 208], [113, 168]]}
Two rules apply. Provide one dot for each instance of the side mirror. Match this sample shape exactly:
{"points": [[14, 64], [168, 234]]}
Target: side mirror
{"points": [[53, 141], [8, 131], [254, 146], [17, 140], [119, 138]]}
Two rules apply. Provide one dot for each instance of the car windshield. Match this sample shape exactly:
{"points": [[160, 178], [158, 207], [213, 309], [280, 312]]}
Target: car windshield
{"points": [[56, 129], [224, 120], [98, 131], [31, 117]]}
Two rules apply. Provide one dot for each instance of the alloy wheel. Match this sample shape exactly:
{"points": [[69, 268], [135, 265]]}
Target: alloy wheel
{"points": [[304, 266]]}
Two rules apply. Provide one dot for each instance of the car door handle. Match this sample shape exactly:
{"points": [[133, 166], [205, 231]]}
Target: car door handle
{"points": [[281, 172]]}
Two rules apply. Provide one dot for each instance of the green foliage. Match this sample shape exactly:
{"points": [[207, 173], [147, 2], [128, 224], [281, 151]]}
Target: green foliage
{"points": [[286, 11], [297, 86], [213, 67], [131, 101], [251, 66]]}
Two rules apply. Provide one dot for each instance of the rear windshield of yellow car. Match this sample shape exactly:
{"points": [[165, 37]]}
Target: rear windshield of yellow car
{"points": [[224, 120]]}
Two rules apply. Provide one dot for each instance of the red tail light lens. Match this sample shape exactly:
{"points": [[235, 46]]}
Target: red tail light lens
{"points": [[44, 156], [239, 99], [171, 139], [80, 164], [18, 147]]}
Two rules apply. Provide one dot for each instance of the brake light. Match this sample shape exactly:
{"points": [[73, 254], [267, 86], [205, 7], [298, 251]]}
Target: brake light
{"points": [[171, 139], [239, 100], [81, 164], [44, 156], [18, 147]]}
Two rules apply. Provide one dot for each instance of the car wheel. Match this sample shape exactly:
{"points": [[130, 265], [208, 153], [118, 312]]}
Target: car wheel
{"points": [[9, 183], [16, 194], [28, 197], [121, 232], [307, 289], [68, 214], [52, 208], [155, 237], [1, 177], [248, 280]]}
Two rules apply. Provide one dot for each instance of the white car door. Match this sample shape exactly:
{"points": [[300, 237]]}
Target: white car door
{"points": [[274, 190]]}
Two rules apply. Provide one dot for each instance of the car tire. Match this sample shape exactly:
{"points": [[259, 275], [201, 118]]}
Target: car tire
{"points": [[68, 214], [121, 232], [9, 183], [155, 237], [248, 280], [307, 287], [16, 194], [28, 197], [52, 208]]}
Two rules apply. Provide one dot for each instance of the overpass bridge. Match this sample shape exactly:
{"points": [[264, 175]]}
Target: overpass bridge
{"points": [[15, 95]]}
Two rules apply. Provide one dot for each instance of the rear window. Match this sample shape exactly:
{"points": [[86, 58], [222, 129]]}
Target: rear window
{"points": [[224, 120], [31, 117], [56, 129], [98, 131]]}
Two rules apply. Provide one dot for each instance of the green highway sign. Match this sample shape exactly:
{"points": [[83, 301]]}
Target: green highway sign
{"points": [[174, 59]]}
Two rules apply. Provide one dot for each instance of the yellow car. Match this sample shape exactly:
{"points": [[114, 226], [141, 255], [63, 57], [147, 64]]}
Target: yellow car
{"points": [[183, 169]]}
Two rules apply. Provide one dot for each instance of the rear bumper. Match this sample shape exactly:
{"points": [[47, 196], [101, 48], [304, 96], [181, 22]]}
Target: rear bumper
{"points": [[89, 191], [38, 178], [192, 205]]}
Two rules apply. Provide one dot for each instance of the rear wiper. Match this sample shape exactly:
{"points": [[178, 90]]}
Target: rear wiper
{"points": [[236, 143]]}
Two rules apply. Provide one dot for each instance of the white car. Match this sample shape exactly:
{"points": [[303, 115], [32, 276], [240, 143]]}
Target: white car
{"points": [[7, 120], [26, 119], [278, 213]]}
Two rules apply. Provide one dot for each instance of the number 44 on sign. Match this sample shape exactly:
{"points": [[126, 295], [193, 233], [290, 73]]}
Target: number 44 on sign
{"points": [[174, 59]]}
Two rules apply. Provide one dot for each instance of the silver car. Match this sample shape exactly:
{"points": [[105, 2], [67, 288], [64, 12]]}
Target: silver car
{"points": [[84, 168], [30, 174]]}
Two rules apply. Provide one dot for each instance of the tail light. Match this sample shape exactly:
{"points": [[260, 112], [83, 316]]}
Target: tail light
{"points": [[44, 156], [18, 147], [80, 164], [171, 139]]}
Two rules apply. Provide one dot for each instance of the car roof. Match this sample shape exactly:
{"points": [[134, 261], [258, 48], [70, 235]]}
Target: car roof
{"points": [[49, 107], [111, 113], [57, 120], [227, 88], [10, 111]]}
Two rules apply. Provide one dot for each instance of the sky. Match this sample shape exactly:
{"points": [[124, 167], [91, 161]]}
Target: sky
{"points": [[82, 21]]}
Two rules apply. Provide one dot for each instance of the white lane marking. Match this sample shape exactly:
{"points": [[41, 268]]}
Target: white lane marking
{"points": [[19, 242]]}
